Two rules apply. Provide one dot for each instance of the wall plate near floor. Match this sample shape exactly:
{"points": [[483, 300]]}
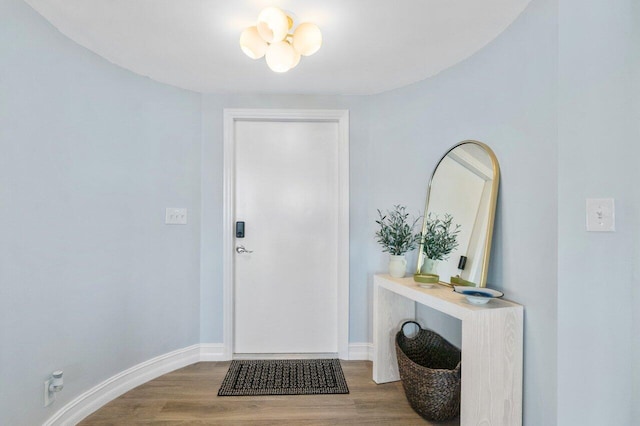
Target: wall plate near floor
{"points": [[49, 397]]}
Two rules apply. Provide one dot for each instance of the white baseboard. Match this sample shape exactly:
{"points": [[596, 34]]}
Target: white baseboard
{"points": [[361, 351], [306, 355], [110, 389], [105, 392], [212, 352]]}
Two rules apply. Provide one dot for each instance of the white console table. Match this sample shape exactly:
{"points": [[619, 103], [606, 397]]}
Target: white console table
{"points": [[491, 392]]}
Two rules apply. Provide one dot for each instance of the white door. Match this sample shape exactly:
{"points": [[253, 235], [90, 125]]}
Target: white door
{"points": [[287, 194]]}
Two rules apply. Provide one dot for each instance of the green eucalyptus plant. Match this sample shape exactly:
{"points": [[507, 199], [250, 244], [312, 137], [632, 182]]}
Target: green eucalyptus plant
{"points": [[396, 234], [441, 237]]}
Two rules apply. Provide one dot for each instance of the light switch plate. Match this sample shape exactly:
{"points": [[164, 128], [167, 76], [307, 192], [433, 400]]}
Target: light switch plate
{"points": [[601, 215], [175, 216]]}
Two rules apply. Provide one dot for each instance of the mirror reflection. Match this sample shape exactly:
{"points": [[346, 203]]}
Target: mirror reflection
{"points": [[458, 223]]}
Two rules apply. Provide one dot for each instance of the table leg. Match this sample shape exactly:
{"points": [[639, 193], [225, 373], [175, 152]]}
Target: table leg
{"points": [[390, 310]]}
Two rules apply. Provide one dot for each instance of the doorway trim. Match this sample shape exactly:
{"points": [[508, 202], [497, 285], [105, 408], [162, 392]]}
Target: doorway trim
{"points": [[231, 116]]}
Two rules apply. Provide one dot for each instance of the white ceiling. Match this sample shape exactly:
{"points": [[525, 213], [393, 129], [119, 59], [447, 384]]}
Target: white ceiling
{"points": [[369, 46]]}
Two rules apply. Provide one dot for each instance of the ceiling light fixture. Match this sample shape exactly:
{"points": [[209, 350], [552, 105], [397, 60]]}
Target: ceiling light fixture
{"points": [[270, 38]]}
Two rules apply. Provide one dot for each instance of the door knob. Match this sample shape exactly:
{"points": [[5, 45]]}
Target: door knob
{"points": [[241, 249]]}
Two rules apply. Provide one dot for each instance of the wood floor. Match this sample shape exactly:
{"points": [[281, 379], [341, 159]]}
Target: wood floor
{"points": [[189, 397]]}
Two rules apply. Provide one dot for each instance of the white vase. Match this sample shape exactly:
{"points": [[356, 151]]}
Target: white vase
{"points": [[397, 265]]}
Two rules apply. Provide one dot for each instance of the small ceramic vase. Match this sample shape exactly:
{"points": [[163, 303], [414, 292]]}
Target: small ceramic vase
{"points": [[397, 265]]}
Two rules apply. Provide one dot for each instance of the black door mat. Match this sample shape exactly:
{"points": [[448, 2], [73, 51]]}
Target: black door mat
{"points": [[284, 377]]}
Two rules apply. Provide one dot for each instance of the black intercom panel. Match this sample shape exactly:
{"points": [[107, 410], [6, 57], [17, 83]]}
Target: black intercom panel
{"points": [[239, 229]]}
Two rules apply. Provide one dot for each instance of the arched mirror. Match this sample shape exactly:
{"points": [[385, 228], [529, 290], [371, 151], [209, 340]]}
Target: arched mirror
{"points": [[459, 215]]}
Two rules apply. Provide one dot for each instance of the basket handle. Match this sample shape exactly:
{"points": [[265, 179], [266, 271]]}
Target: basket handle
{"points": [[409, 322]]}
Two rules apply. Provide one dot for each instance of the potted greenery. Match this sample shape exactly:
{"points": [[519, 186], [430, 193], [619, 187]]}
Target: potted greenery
{"points": [[396, 236], [440, 239]]}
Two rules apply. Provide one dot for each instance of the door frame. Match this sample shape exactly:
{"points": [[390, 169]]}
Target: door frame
{"points": [[231, 116]]}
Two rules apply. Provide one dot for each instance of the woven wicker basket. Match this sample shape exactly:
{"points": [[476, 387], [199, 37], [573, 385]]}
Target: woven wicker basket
{"points": [[430, 372]]}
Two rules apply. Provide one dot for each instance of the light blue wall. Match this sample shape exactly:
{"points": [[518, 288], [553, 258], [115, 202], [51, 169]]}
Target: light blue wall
{"points": [[91, 279], [598, 158], [635, 213]]}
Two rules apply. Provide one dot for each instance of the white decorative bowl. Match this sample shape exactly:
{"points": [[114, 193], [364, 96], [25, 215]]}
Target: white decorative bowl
{"points": [[478, 295]]}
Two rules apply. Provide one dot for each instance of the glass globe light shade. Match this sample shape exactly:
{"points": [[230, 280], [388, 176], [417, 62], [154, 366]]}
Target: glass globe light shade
{"points": [[252, 44], [307, 39], [272, 25], [296, 59], [280, 56]]}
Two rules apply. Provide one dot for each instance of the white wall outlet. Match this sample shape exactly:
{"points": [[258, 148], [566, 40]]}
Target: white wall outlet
{"points": [[601, 215], [49, 397], [175, 216]]}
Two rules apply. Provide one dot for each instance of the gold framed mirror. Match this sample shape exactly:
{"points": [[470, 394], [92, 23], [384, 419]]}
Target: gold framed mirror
{"points": [[459, 216]]}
